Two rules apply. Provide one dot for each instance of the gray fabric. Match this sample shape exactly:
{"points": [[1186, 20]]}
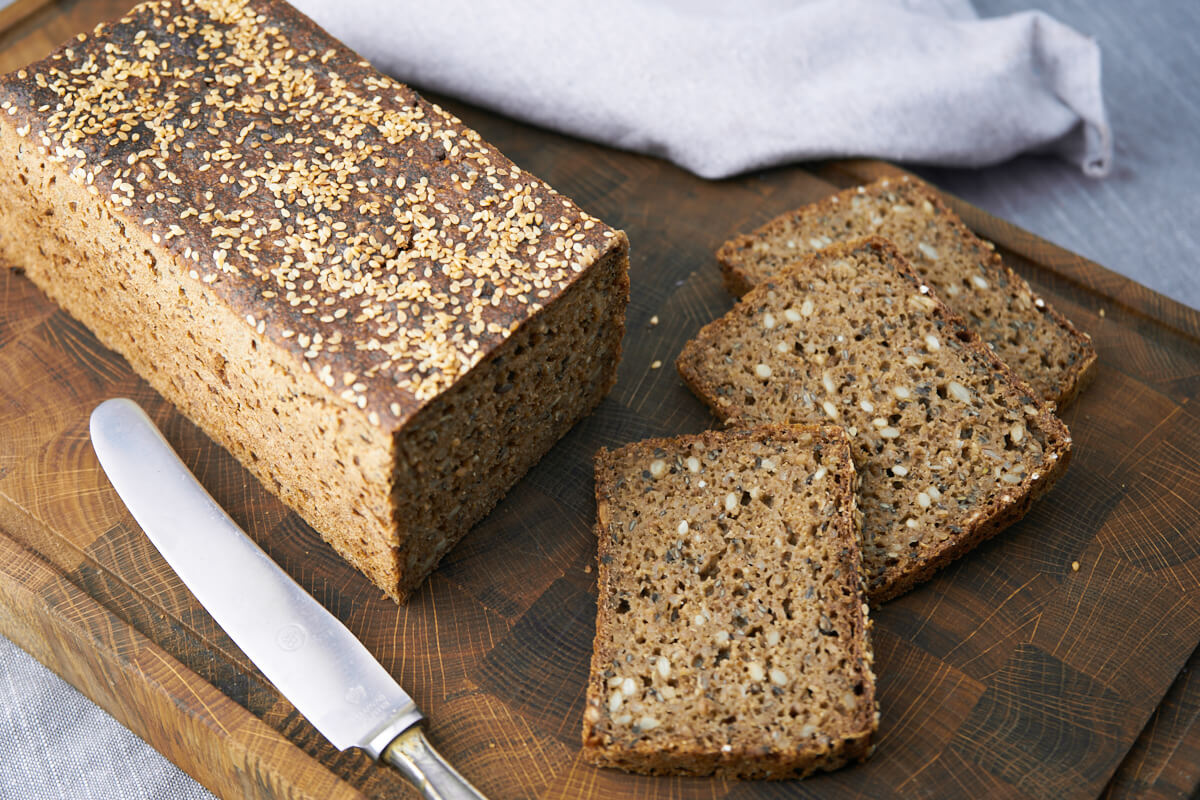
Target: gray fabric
{"points": [[55, 744], [722, 88], [1143, 220]]}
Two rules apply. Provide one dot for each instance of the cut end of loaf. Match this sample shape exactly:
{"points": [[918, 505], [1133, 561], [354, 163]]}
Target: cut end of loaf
{"points": [[732, 631], [1040, 345], [950, 446], [337, 280]]}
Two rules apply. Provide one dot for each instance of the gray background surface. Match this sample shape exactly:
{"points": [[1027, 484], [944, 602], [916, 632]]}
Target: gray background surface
{"points": [[1143, 221]]}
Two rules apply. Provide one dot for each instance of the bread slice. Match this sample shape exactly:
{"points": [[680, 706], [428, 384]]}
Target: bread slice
{"points": [[731, 636], [951, 447], [1040, 345]]}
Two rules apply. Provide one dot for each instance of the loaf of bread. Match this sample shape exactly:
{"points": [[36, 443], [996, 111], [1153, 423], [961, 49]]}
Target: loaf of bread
{"points": [[732, 630], [384, 319], [950, 446], [1039, 344]]}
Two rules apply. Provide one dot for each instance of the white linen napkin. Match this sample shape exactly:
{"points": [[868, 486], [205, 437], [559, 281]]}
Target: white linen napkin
{"points": [[721, 88]]}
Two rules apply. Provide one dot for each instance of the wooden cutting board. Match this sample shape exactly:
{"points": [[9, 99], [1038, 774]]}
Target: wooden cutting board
{"points": [[1012, 674]]}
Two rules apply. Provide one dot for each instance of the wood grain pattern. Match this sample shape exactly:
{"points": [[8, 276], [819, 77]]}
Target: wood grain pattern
{"points": [[1012, 674], [16, 10]]}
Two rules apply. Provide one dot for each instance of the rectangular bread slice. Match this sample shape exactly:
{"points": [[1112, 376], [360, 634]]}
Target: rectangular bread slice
{"points": [[381, 316], [732, 629], [950, 446], [1039, 344]]}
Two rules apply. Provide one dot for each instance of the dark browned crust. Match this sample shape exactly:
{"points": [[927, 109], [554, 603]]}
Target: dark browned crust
{"points": [[997, 514], [733, 257], [735, 279], [30, 103], [690, 757], [124, 236]]}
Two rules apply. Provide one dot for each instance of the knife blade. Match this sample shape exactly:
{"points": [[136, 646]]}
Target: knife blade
{"points": [[306, 652]]}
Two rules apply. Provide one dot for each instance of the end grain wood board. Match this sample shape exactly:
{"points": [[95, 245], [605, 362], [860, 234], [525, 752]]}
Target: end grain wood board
{"points": [[1011, 674]]}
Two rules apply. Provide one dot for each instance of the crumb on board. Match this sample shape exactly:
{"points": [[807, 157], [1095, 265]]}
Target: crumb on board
{"points": [[655, 364], [1075, 566]]}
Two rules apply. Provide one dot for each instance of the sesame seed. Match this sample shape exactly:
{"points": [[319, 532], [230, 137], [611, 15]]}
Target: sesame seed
{"points": [[309, 203]]}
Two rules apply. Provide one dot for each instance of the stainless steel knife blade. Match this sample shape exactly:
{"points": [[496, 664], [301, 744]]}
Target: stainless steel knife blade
{"points": [[314, 660]]}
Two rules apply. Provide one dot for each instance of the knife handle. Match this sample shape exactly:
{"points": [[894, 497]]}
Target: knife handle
{"points": [[413, 755]]}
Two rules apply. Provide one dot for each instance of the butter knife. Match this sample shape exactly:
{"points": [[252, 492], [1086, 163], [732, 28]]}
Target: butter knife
{"points": [[314, 660]]}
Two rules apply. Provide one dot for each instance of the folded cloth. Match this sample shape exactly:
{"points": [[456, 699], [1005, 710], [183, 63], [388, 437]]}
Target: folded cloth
{"points": [[722, 88]]}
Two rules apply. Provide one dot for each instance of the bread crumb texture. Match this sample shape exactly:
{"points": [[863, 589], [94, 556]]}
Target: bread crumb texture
{"points": [[385, 320], [732, 630], [951, 447], [1040, 345]]}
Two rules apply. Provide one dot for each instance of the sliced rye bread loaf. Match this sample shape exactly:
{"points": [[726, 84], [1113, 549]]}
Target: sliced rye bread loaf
{"points": [[267, 256], [950, 446], [1039, 344], [732, 629]]}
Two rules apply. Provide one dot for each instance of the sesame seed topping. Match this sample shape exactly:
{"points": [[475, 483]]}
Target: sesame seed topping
{"points": [[366, 229]]}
